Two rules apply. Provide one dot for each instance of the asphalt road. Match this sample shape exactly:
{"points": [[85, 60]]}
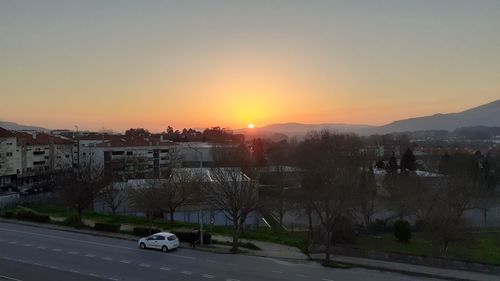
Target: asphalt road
{"points": [[31, 253]]}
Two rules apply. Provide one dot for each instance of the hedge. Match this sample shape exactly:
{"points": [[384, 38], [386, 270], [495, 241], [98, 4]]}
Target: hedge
{"points": [[111, 227], [31, 216], [145, 231]]}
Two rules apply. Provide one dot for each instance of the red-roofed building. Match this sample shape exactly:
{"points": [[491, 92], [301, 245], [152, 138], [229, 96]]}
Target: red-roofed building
{"points": [[33, 158]]}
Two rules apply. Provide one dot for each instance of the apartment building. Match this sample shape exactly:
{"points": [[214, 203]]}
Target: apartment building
{"points": [[129, 157], [32, 159]]}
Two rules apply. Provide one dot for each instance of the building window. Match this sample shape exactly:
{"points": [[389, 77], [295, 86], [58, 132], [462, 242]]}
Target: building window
{"points": [[130, 153], [9, 154], [117, 152]]}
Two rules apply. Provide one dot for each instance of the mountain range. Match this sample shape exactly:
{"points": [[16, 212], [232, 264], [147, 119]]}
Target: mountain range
{"points": [[487, 115]]}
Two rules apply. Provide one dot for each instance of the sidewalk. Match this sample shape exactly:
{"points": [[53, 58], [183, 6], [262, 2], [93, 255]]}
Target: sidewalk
{"points": [[433, 272], [278, 251], [271, 250]]}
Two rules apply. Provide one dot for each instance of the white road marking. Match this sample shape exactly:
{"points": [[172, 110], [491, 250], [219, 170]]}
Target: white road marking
{"points": [[324, 279], [208, 276], [113, 279], [211, 261], [9, 278], [74, 271], [187, 272], [94, 275], [277, 271], [165, 268], [13, 242], [54, 267], [27, 245], [41, 247], [232, 264], [38, 264], [52, 237], [73, 252], [57, 250], [107, 258], [301, 275], [231, 279], [90, 255], [126, 261], [2, 240], [144, 265]]}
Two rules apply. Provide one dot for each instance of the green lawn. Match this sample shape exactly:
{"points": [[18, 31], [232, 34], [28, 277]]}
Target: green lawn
{"points": [[479, 246], [295, 239]]}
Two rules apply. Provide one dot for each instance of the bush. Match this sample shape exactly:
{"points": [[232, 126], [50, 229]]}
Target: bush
{"points": [[8, 214], [73, 220], [185, 235], [111, 227], [145, 231], [402, 231], [31, 216]]}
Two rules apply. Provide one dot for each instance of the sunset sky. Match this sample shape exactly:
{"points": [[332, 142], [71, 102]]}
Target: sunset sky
{"points": [[122, 64]]}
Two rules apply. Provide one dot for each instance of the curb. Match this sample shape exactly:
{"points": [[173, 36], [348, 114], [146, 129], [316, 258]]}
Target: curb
{"points": [[405, 272]]}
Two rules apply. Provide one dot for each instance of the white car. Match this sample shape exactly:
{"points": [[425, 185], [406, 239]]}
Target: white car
{"points": [[162, 240]]}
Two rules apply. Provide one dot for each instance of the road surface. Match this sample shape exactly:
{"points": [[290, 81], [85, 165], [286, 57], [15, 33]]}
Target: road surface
{"points": [[32, 253]]}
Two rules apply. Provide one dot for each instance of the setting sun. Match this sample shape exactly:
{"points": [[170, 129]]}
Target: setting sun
{"points": [[251, 126]]}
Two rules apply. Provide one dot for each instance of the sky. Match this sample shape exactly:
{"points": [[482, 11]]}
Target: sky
{"points": [[122, 64]]}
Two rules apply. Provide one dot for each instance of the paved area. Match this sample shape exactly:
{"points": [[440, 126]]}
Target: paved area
{"points": [[33, 253], [416, 269]]}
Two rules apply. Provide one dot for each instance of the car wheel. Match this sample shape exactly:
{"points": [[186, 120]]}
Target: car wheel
{"points": [[164, 249], [143, 246]]}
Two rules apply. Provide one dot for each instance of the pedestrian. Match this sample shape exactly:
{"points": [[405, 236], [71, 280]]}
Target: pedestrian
{"points": [[192, 239]]}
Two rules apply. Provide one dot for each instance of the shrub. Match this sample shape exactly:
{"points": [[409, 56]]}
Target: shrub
{"points": [[73, 220], [8, 214], [31, 216], [402, 231], [145, 231], [111, 227]]}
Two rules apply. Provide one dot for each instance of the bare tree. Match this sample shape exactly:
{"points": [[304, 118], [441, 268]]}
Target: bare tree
{"points": [[366, 196], [179, 190], [462, 188], [81, 188], [112, 195], [148, 199], [332, 163], [455, 196], [236, 195]]}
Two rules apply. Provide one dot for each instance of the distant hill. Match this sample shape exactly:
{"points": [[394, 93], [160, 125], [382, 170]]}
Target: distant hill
{"points": [[487, 115], [282, 130], [18, 127]]}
